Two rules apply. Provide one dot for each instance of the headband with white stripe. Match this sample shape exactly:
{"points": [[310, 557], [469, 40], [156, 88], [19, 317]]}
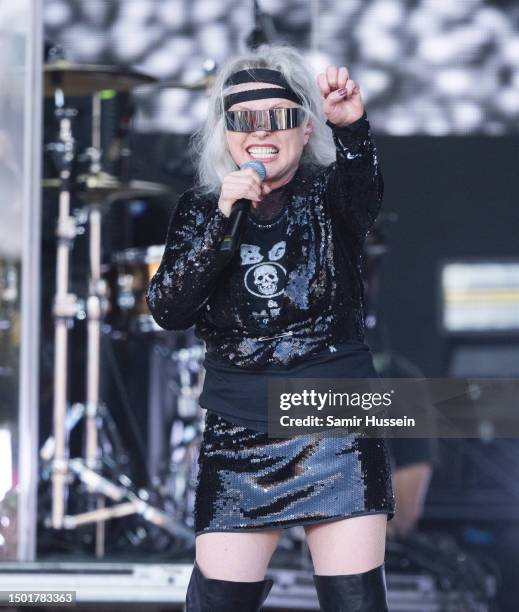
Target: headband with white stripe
{"points": [[273, 119]]}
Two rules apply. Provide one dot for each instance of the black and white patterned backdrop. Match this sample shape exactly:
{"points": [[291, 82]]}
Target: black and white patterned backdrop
{"points": [[433, 67]]}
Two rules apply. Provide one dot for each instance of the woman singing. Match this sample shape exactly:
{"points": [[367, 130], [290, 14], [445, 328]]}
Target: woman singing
{"points": [[288, 302]]}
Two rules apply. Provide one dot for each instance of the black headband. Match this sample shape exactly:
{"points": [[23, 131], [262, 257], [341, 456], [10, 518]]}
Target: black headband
{"points": [[259, 75], [259, 94]]}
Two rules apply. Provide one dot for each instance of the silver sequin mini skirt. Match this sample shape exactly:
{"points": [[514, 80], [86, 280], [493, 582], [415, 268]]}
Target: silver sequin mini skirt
{"points": [[248, 482]]}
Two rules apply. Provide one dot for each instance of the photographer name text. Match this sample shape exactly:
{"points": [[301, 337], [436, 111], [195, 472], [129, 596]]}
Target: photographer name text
{"points": [[332, 421]]}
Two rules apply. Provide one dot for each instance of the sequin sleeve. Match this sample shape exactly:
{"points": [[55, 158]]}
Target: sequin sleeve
{"points": [[191, 264], [356, 187]]}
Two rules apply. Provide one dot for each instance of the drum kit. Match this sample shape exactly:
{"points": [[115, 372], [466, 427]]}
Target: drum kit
{"points": [[116, 292]]}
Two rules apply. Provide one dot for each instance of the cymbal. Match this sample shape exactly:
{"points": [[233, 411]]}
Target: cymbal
{"points": [[205, 83], [105, 188], [87, 79]]}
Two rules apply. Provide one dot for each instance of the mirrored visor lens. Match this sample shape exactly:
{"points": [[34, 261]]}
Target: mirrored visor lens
{"points": [[272, 119]]}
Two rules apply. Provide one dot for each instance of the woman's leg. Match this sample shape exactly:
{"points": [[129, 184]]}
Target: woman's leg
{"points": [[348, 546], [238, 556], [348, 558], [229, 571]]}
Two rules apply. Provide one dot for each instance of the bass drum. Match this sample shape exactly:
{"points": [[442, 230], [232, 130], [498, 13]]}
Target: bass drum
{"points": [[128, 277]]}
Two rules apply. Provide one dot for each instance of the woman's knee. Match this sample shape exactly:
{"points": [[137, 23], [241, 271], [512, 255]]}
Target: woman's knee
{"points": [[240, 556]]}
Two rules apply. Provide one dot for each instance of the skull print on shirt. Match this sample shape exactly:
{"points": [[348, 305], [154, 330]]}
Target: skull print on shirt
{"points": [[264, 275]]}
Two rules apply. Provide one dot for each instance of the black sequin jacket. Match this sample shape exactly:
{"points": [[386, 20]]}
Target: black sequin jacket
{"points": [[329, 214]]}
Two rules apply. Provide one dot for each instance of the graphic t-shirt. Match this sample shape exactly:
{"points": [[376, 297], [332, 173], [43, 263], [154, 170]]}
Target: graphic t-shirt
{"points": [[259, 269], [262, 256]]}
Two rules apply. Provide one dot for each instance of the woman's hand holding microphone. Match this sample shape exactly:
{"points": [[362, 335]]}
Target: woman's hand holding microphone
{"points": [[241, 185]]}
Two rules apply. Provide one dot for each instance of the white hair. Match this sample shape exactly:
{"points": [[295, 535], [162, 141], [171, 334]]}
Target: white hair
{"points": [[212, 158]]}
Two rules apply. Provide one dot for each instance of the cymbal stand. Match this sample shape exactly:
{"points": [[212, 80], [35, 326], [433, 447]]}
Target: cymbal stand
{"points": [[95, 310], [96, 306], [65, 307], [96, 300]]}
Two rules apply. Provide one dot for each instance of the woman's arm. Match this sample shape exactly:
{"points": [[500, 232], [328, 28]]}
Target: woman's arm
{"points": [[191, 263], [356, 187]]}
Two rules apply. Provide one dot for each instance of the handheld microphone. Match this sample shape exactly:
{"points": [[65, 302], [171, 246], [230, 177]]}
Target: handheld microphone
{"points": [[239, 212]]}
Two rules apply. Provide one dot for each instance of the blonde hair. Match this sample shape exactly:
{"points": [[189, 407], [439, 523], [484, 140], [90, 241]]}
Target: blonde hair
{"points": [[213, 160]]}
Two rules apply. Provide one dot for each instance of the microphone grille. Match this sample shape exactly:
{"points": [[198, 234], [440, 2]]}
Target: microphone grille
{"points": [[256, 165]]}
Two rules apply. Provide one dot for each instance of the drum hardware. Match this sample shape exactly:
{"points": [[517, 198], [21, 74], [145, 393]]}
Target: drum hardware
{"points": [[130, 500], [203, 84], [177, 484], [128, 277], [119, 151], [96, 309], [175, 410], [97, 186], [108, 189], [92, 157], [136, 503], [65, 304], [74, 415], [88, 471], [98, 190], [188, 362], [104, 189], [88, 79]]}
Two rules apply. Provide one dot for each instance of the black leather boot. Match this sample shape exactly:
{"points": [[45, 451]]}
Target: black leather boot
{"points": [[210, 595], [365, 592]]}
